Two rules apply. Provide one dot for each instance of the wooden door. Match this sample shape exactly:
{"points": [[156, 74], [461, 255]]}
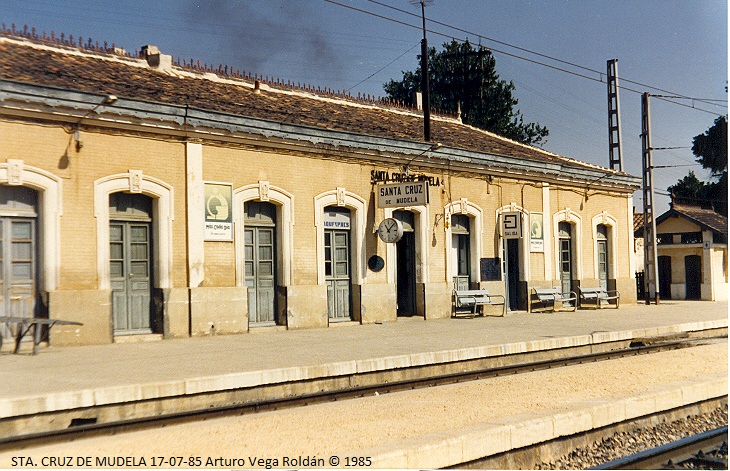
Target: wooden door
{"points": [[337, 274], [565, 257], [260, 266], [17, 267], [130, 276]]}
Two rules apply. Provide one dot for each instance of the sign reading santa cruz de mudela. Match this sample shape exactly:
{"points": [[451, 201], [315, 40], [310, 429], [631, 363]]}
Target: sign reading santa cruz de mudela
{"points": [[399, 195]]}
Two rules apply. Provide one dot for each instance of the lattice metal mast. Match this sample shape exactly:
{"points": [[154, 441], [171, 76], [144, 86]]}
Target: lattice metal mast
{"points": [[615, 152], [651, 268], [425, 87]]}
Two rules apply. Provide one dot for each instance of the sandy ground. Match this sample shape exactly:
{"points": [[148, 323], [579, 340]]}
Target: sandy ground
{"points": [[349, 427]]}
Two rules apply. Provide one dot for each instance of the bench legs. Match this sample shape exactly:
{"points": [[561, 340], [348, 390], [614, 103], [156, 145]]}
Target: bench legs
{"points": [[22, 332]]}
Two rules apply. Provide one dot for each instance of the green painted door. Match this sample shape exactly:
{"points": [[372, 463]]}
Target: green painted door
{"points": [[337, 274], [18, 254], [17, 269], [130, 276], [565, 256], [603, 264], [260, 269]]}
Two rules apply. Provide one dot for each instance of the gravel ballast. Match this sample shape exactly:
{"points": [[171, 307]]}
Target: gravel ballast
{"points": [[625, 444]]}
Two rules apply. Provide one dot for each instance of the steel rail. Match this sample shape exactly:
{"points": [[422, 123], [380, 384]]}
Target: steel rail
{"points": [[86, 430], [671, 455]]}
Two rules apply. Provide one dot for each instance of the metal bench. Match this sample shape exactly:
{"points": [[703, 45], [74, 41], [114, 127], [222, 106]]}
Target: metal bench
{"points": [[548, 297], [598, 297], [478, 297], [24, 324]]}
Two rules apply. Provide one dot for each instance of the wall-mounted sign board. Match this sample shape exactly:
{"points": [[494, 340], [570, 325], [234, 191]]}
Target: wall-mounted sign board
{"points": [[400, 195]]}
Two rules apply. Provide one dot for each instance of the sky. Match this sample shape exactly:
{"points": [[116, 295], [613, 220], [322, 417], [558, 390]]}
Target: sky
{"points": [[663, 47]]}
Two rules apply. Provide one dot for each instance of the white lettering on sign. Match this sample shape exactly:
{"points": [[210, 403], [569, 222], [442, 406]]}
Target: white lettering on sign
{"points": [[403, 194]]}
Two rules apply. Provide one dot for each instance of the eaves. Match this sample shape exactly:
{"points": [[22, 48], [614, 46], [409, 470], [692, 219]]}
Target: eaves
{"points": [[181, 122]]}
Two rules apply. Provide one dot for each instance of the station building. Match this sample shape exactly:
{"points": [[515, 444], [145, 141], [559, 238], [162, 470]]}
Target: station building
{"points": [[151, 199]]}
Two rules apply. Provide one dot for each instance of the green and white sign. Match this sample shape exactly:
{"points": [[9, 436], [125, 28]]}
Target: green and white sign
{"points": [[218, 211], [537, 241]]}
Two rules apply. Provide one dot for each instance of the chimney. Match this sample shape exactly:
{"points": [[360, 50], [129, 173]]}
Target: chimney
{"points": [[155, 59]]}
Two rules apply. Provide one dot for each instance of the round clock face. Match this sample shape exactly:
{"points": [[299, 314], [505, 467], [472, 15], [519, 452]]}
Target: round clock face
{"points": [[390, 230]]}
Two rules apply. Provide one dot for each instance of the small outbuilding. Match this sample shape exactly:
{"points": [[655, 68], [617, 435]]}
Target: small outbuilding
{"points": [[692, 253]]}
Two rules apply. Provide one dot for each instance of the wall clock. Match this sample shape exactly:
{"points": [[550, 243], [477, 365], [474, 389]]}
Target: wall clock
{"points": [[390, 230]]}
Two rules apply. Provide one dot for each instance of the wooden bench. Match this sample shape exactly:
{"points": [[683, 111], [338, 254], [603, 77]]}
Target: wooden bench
{"points": [[598, 297], [24, 324], [548, 297], [474, 298]]}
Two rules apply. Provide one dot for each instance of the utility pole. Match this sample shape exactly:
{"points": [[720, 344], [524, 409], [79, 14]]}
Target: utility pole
{"points": [[651, 268], [424, 78], [615, 152]]}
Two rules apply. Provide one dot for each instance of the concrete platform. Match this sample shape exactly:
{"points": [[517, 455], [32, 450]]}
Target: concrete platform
{"points": [[59, 379]]}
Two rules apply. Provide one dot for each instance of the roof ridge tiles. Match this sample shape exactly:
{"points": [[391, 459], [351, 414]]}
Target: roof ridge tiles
{"points": [[379, 117], [199, 71]]}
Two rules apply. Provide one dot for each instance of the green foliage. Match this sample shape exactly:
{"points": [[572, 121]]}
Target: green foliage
{"points": [[464, 77], [710, 149]]}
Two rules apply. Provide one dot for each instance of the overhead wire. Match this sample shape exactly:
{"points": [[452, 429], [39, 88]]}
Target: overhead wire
{"points": [[382, 68], [516, 56], [677, 95]]}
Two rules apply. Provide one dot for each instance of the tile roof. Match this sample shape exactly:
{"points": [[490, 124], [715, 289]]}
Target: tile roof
{"points": [[53, 65], [638, 222], [706, 218]]}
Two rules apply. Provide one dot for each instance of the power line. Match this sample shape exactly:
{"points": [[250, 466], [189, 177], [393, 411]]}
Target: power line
{"points": [[560, 69], [382, 68], [677, 95]]}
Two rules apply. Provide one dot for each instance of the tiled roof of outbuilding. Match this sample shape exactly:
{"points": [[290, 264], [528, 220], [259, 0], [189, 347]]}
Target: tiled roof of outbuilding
{"points": [[638, 221], [77, 69], [706, 218]]}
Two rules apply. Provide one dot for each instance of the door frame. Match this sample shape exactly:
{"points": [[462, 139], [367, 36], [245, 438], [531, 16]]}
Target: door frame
{"points": [[410, 290], [576, 222], [571, 262], [614, 268], [162, 216], [475, 214], [14, 172], [420, 219]]}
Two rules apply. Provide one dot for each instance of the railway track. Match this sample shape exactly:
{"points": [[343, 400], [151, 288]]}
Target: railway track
{"points": [[706, 450], [83, 429]]}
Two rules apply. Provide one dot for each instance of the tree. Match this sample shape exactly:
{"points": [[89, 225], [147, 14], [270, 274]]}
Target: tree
{"points": [[710, 148], [464, 78]]}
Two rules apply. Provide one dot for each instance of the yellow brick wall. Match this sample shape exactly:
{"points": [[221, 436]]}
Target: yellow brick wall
{"points": [[102, 154], [52, 148]]}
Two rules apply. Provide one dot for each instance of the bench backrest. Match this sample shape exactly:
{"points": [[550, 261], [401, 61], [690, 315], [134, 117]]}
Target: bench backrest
{"points": [[592, 290], [471, 292], [543, 291]]}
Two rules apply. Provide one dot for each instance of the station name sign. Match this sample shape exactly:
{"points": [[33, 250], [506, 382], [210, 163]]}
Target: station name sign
{"points": [[400, 195], [383, 176]]}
